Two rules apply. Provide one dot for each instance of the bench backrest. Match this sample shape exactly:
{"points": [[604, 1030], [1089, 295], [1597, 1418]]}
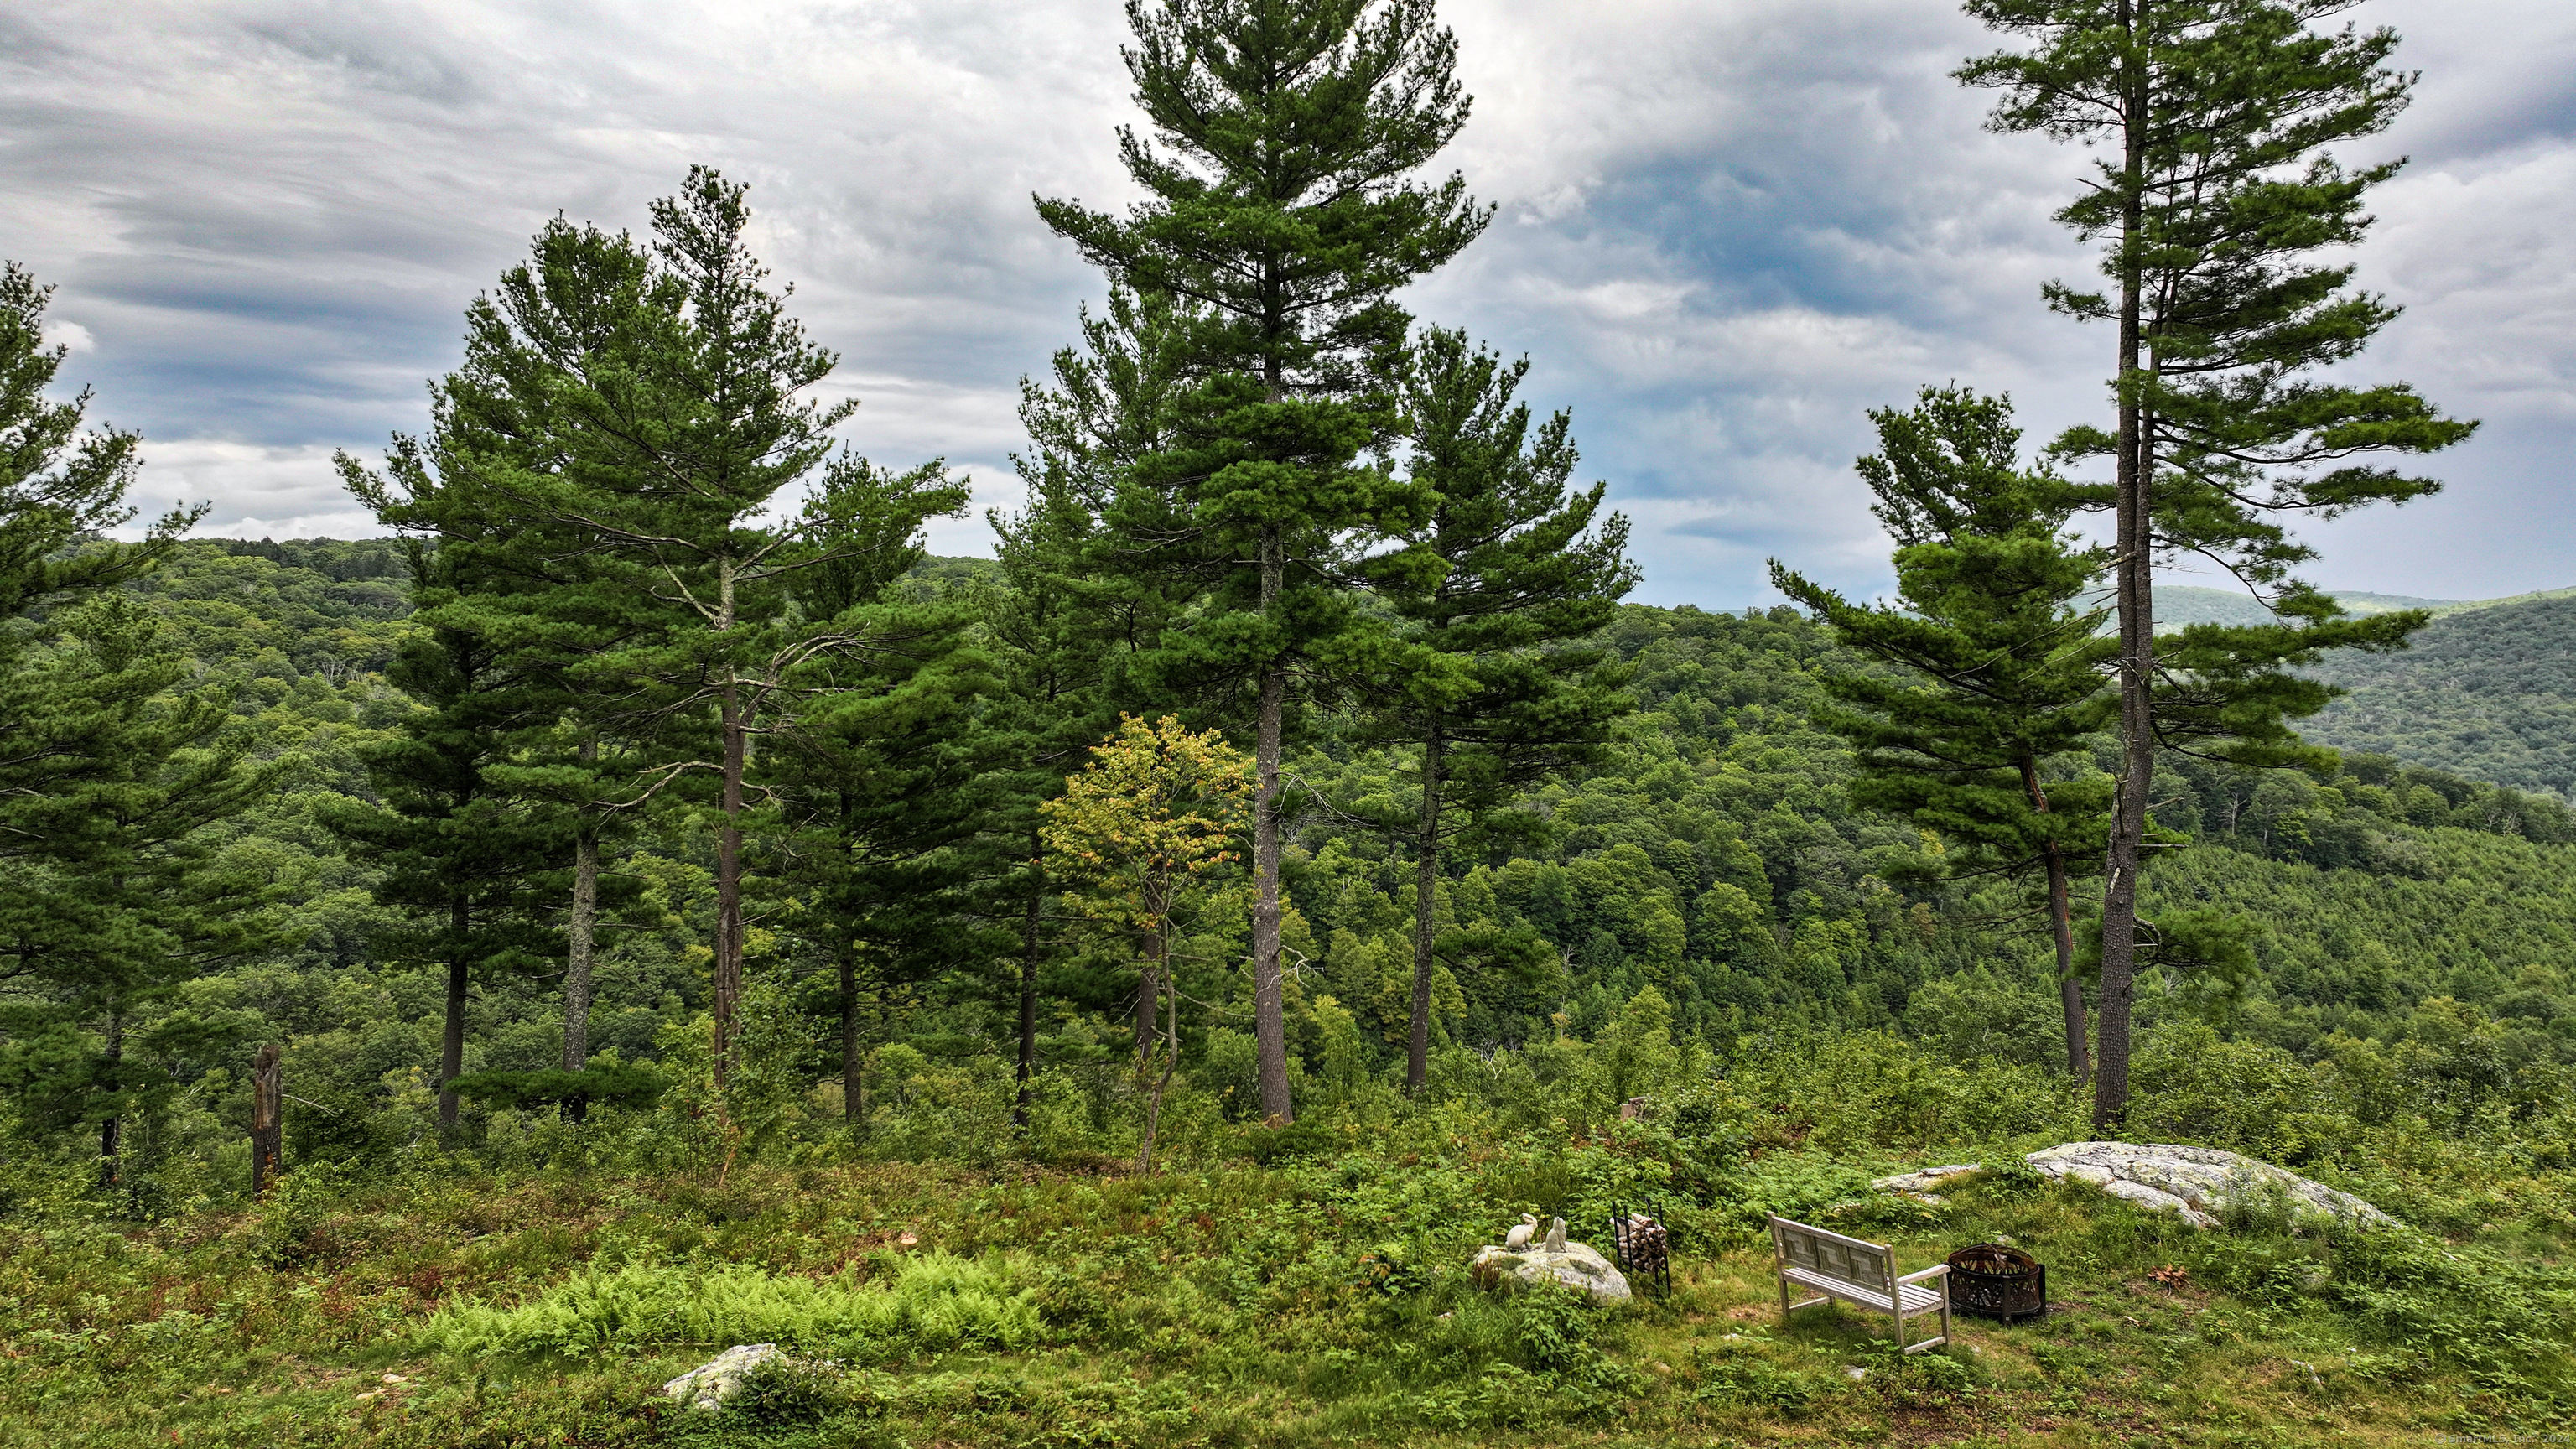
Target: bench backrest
{"points": [[1799, 1246]]}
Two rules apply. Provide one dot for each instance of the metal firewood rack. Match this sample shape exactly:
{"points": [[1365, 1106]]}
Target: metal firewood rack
{"points": [[1643, 1247]]}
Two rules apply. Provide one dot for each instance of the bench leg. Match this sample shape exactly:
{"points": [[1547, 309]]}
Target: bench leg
{"points": [[1928, 1344], [1784, 1298]]}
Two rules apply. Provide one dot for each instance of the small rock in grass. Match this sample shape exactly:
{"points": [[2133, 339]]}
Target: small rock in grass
{"points": [[1855, 1373], [1923, 1181], [716, 1380]]}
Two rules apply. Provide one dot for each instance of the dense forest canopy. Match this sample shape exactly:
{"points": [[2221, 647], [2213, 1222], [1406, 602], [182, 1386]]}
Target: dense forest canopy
{"points": [[1712, 857]]}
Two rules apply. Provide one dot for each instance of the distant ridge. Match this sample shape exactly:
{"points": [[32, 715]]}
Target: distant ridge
{"points": [[2487, 691], [2180, 604]]}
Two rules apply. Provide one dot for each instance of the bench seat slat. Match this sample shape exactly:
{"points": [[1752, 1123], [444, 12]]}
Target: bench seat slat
{"points": [[1914, 1299]]}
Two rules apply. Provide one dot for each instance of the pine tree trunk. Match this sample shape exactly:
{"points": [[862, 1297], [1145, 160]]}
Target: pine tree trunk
{"points": [[1269, 1014], [2070, 994], [579, 929], [1426, 882], [451, 1047], [2137, 627], [1027, 1072], [267, 1119], [728, 962], [111, 1132], [853, 1091]]}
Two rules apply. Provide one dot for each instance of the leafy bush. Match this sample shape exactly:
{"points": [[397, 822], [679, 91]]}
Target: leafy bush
{"points": [[784, 1391]]}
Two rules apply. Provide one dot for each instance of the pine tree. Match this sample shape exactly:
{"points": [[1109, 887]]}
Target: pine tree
{"points": [[115, 897], [2213, 195], [1074, 608], [529, 594], [1510, 566], [460, 854], [1282, 206], [665, 391], [2002, 660], [881, 758], [111, 764], [60, 485]]}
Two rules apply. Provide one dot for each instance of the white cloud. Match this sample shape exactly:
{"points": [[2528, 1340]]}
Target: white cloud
{"points": [[70, 336], [283, 492], [1731, 228]]}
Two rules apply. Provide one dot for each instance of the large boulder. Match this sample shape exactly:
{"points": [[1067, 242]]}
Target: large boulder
{"points": [[719, 1378], [1574, 1265], [2198, 1183], [2195, 1184]]}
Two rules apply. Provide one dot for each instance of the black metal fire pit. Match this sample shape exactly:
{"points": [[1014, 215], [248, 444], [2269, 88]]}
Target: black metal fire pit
{"points": [[1993, 1281]]}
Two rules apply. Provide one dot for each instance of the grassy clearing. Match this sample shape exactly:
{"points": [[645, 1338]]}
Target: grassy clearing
{"points": [[1313, 1301]]}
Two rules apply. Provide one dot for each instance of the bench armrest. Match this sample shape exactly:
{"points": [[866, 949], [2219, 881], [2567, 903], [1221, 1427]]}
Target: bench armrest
{"points": [[1937, 1270]]}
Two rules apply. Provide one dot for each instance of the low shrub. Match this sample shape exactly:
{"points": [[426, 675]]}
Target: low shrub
{"points": [[930, 1304]]}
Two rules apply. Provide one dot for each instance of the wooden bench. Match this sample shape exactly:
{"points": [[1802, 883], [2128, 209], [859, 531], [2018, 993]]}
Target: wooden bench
{"points": [[1834, 1266]]}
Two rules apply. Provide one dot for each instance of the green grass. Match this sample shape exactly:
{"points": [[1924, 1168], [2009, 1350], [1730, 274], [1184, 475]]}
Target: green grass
{"points": [[1311, 1302]]}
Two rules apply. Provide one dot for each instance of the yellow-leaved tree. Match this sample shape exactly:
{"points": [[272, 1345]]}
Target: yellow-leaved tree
{"points": [[1153, 811]]}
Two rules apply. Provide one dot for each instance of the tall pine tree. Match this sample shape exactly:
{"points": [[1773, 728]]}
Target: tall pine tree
{"points": [[2223, 220], [1510, 567], [1075, 605], [113, 760], [880, 758], [1282, 204], [2002, 659], [529, 594]]}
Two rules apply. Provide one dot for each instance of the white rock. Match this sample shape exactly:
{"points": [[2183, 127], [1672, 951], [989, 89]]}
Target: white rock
{"points": [[1577, 1266], [2196, 1183], [713, 1382], [1923, 1181], [2155, 1199]]}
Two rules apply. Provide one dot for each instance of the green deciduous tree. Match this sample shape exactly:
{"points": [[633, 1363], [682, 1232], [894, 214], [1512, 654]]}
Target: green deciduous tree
{"points": [[1282, 205], [2002, 660], [2222, 216], [1509, 568], [1155, 809]]}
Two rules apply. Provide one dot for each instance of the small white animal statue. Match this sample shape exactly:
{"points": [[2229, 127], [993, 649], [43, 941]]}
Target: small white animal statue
{"points": [[1518, 1238], [1556, 1236]]}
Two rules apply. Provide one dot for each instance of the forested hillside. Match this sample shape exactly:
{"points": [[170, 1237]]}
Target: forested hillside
{"points": [[2488, 693], [1713, 857]]}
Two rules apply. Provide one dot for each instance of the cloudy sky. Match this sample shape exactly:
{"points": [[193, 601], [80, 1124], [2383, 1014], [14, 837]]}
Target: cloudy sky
{"points": [[1727, 228]]}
